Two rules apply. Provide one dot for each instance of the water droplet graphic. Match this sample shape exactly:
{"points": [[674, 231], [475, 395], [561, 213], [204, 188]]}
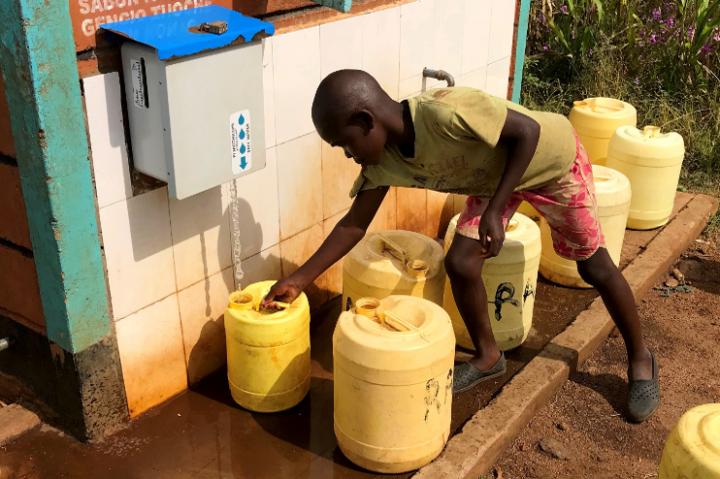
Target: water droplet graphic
{"points": [[242, 149], [241, 120], [242, 134]]}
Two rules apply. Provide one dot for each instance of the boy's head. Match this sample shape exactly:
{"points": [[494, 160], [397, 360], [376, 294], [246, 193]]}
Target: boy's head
{"points": [[349, 111]]}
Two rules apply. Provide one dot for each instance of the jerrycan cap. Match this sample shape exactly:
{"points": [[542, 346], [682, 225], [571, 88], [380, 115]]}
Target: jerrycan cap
{"points": [[417, 267], [651, 131]]}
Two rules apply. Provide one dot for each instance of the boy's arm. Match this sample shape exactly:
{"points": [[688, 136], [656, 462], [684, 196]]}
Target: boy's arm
{"points": [[520, 134], [346, 234]]}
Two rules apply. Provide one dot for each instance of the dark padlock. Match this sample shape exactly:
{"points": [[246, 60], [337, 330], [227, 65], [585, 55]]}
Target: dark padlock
{"points": [[216, 28]]}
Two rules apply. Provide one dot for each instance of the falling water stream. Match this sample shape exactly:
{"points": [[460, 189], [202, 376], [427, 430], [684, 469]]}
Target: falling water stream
{"points": [[236, 244]]}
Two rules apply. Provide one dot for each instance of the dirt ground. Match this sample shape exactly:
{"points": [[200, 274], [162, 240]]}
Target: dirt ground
{"points": [[584, 424]]}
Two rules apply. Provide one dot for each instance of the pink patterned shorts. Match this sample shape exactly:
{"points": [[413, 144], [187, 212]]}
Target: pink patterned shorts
{"points": [[567, 204]]}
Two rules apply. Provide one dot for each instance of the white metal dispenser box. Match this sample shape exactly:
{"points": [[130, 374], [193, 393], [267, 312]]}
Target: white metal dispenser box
{"points": [[194, 94]]}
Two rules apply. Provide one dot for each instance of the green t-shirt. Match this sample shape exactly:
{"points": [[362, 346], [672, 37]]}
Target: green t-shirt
{"points": [[456, 146]]}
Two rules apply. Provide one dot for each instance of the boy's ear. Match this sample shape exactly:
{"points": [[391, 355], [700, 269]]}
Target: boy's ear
{"points": [[363, 119]]}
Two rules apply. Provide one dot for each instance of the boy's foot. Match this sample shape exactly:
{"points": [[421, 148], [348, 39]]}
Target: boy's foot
{"points": [[643, 395], [640, 366], [467, 376]]}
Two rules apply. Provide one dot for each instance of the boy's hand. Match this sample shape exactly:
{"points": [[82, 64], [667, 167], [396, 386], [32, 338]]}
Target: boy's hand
{"points": [[285, 290], [492, 233]]}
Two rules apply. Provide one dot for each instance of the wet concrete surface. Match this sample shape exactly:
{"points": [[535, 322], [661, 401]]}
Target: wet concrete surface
{"points": [[203, 434]]}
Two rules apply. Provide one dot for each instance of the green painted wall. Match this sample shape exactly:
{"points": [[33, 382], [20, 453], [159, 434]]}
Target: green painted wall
{"points": [[342, 5], [522, 31], [37, 57]]}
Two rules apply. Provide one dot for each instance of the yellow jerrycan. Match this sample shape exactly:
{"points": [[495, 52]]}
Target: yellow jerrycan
{"points": [[692, 450], [393, 365], [510, 280], [595, 121], [529, 210], [394, 262], [268, 352], [652, 161], [612, 190]]}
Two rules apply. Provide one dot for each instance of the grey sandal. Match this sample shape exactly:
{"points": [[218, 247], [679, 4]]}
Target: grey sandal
{"points": [[467, 376], [643, 395]]}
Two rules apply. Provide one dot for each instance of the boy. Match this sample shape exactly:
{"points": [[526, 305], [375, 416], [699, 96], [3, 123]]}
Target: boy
{"points": [[461, 140]]}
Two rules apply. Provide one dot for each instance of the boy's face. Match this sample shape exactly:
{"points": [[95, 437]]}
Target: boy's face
{"points": [[363, 143]]}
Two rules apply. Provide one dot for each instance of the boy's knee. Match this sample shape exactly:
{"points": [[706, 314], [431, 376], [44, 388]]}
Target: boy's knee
{"points": [[597, 270], [462, 267]]}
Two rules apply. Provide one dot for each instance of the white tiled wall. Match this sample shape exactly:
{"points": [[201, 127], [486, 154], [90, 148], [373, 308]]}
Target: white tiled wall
{"points": [[342, 45], [296, 57], [169, 262], [448, 36], [201, 307], [476, 35], [138, 251], [107, 139], [152, 357], [258, 208], [417, 44], [269, 92], [201, 243], [497, 77], [460, 36], [299, 184], [381, 48], [502, 19]]}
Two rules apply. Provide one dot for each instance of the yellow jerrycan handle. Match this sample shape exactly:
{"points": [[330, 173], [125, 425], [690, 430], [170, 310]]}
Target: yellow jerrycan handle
{"points": [[248, 302], [415, 267], [371, 309], [592, 104], [394, 249]]}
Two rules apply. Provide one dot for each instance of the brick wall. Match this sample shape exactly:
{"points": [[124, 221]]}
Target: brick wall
{"points": [[19, 292]]}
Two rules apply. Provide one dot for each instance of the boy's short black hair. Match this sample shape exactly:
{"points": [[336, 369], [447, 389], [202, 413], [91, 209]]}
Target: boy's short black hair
{"points": [[343, 93]]}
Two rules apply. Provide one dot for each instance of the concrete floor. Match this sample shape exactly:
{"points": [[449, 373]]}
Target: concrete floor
{"points": [[203, 434]]}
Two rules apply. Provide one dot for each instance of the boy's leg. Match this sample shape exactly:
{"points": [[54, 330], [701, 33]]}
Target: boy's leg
{"points": [[600, 272], [570, 209], [464, 265]]}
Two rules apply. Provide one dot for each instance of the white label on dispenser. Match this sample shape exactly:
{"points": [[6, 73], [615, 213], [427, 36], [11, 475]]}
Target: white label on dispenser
{"points": [[137, 72], [241, 141]]}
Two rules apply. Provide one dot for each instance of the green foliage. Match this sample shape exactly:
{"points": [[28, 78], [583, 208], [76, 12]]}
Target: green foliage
{"points": [[672, 45], [661, 56]]}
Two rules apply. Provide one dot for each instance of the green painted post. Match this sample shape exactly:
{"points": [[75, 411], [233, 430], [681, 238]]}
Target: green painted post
{"points": [[522, 30], [38, 61], [341, 5]]}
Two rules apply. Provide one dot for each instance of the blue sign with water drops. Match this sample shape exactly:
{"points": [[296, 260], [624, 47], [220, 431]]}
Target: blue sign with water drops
{"points": [[240, 141]]}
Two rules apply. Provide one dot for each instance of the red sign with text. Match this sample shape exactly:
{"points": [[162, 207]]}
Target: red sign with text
{"points": [[89, 15]]}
